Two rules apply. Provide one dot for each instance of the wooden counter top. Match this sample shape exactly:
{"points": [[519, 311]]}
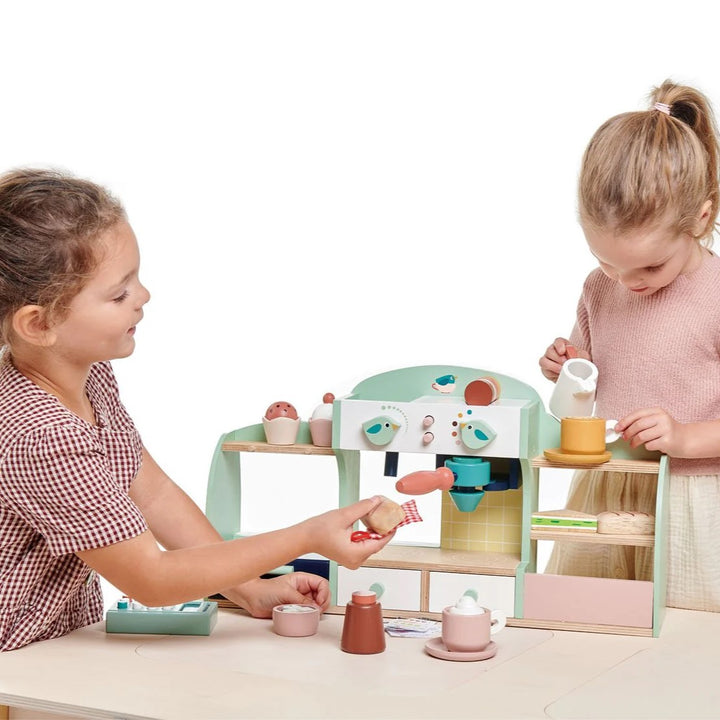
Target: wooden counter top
{"points": [[244, 670]]}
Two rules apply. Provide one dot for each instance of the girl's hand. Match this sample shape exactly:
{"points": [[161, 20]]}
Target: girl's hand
{"points": [[259, 596], [556, 354], [656, 430], [329, 534]]}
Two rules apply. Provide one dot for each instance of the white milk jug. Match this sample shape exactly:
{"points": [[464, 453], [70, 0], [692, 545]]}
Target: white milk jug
{"points": [[574, 392]]}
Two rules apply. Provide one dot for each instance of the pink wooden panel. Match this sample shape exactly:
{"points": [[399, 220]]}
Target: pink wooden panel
{"points": [[597, 601]]}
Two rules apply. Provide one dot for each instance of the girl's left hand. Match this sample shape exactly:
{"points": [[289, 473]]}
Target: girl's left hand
{"points": [[556, 354], [655, 429], [260, 596]]}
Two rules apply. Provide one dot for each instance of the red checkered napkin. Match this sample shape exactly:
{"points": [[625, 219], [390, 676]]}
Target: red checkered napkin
{"points": [[411, 514]]}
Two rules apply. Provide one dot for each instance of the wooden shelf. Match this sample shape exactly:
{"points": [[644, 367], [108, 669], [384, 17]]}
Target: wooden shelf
{"points": [[263, 447], [582, 627], [414, 557], [592, 537], [649, 467]]}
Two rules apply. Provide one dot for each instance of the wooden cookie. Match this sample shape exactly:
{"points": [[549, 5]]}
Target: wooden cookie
{"points": [[625, 522], [384, 517]]}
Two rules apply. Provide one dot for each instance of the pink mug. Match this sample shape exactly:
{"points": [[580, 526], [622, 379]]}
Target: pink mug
{"points": [[466, 629]]}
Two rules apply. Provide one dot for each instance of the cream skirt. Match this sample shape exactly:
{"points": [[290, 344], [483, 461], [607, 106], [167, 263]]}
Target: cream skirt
{"points": [[693, 535]]}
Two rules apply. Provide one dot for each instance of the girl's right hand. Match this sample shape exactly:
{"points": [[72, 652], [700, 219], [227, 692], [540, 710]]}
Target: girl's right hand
{"points": [[556, 354], [329, 534]]}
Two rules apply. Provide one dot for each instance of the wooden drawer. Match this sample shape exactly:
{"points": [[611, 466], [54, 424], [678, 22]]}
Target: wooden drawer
{"points": [[496, 592], [402, 587]]}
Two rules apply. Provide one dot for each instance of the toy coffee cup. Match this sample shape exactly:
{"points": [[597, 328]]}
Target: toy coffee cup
{"points": [[467, 626], [586, 435], [294, 620]]}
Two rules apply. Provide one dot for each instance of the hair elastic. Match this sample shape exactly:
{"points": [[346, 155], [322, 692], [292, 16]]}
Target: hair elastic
{"points": [[662, 107]]}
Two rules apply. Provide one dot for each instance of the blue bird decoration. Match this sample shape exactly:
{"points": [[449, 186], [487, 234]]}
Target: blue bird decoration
{"points": [[476, 434], [380, 430]]}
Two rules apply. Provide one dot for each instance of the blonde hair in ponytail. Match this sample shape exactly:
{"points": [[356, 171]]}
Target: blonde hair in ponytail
{"points": [[641, 166]]}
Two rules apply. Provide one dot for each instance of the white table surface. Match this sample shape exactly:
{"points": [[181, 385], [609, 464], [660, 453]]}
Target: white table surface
{"points": [[244, 670]]}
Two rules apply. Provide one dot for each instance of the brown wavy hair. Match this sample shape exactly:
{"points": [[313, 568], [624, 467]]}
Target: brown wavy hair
{"points": [[640, 166], [50, 223]]}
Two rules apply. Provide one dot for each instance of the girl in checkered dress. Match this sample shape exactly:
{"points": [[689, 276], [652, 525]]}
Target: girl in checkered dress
{"points": [[79, 492]]}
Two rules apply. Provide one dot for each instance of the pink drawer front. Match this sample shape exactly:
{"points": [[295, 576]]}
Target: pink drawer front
{"points": [[599, 601]]}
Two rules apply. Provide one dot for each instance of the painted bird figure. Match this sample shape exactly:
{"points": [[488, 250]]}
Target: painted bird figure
{"points": [[444, 384], [476, 434], [380, 430]]}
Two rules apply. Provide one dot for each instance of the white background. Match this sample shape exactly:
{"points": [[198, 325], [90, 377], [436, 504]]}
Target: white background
{"points": [[327, 190]]}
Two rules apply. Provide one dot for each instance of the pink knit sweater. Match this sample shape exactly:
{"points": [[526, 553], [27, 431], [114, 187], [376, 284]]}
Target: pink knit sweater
{"points": [[662, 350]]}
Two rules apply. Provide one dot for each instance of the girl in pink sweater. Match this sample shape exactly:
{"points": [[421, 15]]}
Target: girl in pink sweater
{"points": [[649, 318]]}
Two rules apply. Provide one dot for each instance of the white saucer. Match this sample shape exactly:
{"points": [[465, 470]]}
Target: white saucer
{"points": [[558, 456], [436, 648]]}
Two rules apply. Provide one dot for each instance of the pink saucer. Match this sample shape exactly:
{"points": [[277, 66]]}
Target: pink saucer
{"points": [[436, 648]]}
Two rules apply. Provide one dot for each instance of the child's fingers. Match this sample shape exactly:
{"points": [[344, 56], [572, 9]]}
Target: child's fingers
{"points": [[361, 508], [625, 422], [563, 349]]}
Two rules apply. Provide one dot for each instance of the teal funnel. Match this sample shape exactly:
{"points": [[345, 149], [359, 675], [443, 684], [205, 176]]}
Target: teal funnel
{"points": [[466, 500], [470, 475]]}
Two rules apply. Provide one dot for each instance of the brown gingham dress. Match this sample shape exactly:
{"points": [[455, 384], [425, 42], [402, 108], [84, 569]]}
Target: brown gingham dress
{"points": [[63, 488]]}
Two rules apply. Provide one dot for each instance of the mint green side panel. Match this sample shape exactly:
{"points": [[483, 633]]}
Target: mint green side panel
{"points": [[348, 462], [528, 547], [660, 556], [222, 500]]}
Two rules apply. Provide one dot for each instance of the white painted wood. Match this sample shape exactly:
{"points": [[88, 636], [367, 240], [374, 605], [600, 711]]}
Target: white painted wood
{"points": [[402, 587], [504, 416], [494, 592]]}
